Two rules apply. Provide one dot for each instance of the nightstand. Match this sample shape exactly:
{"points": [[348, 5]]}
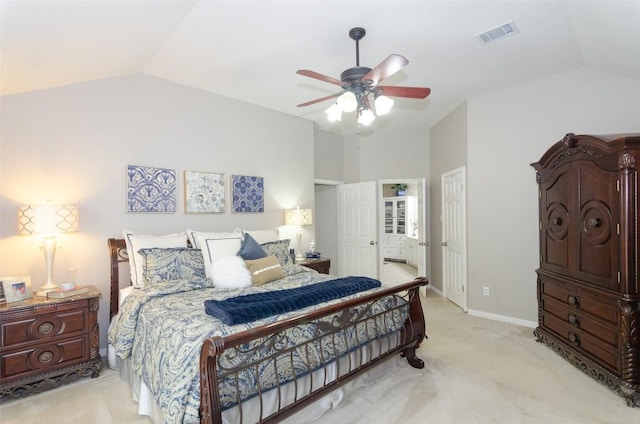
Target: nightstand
{"points": [[45, 343], [322, 265]]}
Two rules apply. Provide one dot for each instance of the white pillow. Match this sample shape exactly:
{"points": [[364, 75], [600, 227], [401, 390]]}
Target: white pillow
{"points": [[195, 235], [229, 272], [263, 236], [135, 242], [214, 245]]}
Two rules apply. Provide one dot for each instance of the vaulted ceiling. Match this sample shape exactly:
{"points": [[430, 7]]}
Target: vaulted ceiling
{"points": [[250, 50]]}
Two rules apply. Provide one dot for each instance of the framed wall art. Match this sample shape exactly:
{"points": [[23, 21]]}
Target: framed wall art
{"points": [[151, 189], [248, 193], [16, 288], [203, 192]]}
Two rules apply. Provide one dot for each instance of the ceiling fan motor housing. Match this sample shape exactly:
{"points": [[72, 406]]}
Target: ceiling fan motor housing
{"points": [[352, 77]]}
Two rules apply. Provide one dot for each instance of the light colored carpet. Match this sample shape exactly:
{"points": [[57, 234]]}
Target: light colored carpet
{"points": [[477, 371]]}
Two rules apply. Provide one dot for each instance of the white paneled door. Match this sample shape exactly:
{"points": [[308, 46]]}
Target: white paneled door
{"points": [[357, 230], [454, 236], [423, 244]]}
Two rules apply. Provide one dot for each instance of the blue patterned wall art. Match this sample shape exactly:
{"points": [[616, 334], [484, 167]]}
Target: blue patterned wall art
{"points": [[151, 189], [203, 192], [248, 193]]}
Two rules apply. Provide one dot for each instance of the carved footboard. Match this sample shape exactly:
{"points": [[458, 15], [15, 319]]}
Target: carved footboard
{"points": [[311, 354]]}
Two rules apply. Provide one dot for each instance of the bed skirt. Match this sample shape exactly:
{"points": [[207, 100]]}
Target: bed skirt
{"points": [[147, 405]]}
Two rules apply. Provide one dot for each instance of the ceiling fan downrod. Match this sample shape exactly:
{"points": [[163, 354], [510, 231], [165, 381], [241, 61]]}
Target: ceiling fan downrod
{"points": [[357, 34]]}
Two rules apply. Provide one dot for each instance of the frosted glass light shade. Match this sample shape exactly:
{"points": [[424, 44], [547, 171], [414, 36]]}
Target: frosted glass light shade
{"points": [[366, 117], [383, 105], [347, 102], [334, 113]]}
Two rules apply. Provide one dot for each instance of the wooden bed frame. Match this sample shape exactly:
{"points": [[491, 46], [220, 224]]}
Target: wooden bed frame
{"points": [[216, 351]]}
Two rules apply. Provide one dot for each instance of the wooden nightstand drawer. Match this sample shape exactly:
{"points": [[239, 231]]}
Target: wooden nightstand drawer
{"points": [[48, 342], [20, 331], [44, 357]]}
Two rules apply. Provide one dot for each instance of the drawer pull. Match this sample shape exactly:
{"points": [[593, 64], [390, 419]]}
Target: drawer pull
{"points": [[45, 328], [573, 301], [595, 222], [574, 320], [45, 356], [556, 221], [574, 339]]}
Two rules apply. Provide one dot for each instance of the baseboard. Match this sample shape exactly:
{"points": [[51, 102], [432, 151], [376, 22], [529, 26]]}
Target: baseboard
{"points": [[435, 290], [503, 318]]}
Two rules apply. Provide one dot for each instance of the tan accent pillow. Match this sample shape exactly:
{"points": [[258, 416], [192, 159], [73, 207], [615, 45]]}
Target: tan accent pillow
{"points": [[264, 270]]}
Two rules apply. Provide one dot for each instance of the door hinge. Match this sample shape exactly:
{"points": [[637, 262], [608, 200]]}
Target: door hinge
{"points": [[617, 185], [618, 229], [618, 277]]}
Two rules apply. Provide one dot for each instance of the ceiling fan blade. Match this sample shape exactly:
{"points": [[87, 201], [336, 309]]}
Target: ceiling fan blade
{"points": [[312, 74], [322, 99], [385, 69], [409, 92]]}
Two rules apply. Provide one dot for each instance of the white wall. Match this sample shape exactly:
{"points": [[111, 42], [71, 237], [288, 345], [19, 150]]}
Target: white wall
{"points": [[72, 144], [508, 130], [328, 156], [393, 155], [447, 151]]}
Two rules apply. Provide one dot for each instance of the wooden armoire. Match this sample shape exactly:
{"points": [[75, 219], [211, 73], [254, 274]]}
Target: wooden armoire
{"points": [[588, 294]]}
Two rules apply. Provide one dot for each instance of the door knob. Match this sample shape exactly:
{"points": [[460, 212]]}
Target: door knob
{"points": [[444, 243], [372, 243]]}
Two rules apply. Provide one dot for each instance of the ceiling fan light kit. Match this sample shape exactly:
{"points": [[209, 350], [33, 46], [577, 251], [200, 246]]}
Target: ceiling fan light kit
{"points": [[359, 83], [383, 104]]}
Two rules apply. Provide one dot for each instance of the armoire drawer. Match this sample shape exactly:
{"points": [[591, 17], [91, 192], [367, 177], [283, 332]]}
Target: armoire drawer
{"points": [[603, 330], [580, 340], [582, 300]]}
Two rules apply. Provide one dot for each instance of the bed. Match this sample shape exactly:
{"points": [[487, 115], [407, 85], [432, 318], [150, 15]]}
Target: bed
{"points": [[196, 368]]}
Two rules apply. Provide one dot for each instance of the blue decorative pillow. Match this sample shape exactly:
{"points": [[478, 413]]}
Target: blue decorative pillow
{"points": [[250, 249], [280, 249], [176, 263]]}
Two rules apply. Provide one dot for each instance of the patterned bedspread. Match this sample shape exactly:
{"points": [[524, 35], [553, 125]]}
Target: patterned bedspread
{"points": [[161, 330]]}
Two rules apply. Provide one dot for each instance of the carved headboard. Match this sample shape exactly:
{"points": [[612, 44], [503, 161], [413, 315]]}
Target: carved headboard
{"points": [[117, 254]]}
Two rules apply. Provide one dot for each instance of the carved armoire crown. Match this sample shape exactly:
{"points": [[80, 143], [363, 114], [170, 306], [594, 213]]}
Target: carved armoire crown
{"points": [[588, 291]]}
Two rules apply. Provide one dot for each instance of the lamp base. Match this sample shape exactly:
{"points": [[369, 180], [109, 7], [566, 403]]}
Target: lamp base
{"points": [[43, 291], [300, 257]]}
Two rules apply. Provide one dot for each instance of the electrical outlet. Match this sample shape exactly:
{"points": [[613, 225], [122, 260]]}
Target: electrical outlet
{"points": [[486, 291]]}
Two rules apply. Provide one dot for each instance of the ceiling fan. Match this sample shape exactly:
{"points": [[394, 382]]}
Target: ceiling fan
{"points": [[359, 82]]}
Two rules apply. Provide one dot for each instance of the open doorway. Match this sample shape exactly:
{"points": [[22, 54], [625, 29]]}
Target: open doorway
{"points": [[403, 247]]}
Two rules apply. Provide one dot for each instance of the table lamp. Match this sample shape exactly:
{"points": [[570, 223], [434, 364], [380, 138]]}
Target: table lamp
{"points": [[297, 218], [47, 221]]}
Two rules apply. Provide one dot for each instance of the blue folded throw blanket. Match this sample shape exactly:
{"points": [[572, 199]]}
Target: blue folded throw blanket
{"points": [[252, 307]]}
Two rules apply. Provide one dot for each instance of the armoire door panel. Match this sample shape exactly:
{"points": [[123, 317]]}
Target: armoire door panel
{"points": [[598, 257], [555, 206]]}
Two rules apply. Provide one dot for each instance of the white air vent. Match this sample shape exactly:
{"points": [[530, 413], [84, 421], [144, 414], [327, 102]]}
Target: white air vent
{"points": [[497, 33]]}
